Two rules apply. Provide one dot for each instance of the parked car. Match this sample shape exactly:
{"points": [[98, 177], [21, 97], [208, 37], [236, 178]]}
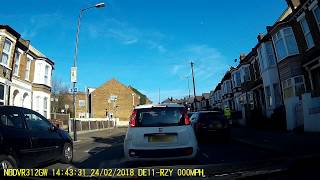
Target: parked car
{"points": [[160, 132], [28, 139], [210, 125]]}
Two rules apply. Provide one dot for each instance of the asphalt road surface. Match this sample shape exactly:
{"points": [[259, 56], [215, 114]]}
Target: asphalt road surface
{"points": [[104, 149]]}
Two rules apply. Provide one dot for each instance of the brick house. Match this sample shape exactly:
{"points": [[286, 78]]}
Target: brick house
{"points": [[25, 73], [113, 99]]}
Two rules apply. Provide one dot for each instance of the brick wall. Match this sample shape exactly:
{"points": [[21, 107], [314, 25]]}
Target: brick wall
{"points": [[125, 100]]}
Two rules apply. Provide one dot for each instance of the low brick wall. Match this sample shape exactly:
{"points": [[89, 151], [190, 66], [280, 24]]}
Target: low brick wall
{"points": [[92, 124]]}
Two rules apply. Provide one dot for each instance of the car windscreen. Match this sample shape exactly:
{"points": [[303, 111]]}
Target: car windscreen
{"points": [[211, 117], [159, 117]]}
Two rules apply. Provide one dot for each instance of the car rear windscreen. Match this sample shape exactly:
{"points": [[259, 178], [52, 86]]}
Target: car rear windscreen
{"points": [[212, 116], [159, 117]]}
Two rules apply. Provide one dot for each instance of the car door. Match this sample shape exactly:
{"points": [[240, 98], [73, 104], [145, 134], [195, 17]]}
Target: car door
{"points": [[45, 141], [15, 136]]}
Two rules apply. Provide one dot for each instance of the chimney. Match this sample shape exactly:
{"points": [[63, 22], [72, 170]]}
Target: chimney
{"points": [[260, 37], [293, 3], [242, 56]]}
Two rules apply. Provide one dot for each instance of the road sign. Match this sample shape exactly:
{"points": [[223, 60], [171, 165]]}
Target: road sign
{"points": [[75, 90], [73, 74]]}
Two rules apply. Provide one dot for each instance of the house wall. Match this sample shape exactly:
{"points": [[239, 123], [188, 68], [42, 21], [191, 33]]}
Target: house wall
{"points": [[101, 95]]}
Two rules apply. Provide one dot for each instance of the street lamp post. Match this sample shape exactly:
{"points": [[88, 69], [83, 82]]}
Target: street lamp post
{"points": [[74, 80]]}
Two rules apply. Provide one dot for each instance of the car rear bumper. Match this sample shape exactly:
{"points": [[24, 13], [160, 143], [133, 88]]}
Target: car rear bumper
{"points": [[161, 154]]}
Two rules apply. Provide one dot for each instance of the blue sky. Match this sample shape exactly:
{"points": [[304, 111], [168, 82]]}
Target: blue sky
{"points": [[145, 44]]}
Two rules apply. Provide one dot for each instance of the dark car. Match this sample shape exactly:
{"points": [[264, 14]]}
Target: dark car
{"points": [[210, 124], [27, 139]]}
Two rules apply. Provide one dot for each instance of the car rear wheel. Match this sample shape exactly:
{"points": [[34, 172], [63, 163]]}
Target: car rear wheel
{"points": [[67, 153], [7, 162]]}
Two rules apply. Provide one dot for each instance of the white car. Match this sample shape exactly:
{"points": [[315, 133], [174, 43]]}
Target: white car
{"points": [[160, 132]]}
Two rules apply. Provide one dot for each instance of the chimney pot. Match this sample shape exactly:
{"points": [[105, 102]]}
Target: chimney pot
{"points": [[260, 37]]}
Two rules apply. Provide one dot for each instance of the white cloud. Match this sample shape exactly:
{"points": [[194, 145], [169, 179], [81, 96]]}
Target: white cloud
{"points": [[127, 34], [36, 23]]}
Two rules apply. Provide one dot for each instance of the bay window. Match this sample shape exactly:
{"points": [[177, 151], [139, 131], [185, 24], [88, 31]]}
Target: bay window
{"points": [[285, 43], [16, 63], [268, 96], [293, 87], [306, 31], [45, 107], [245, 73], [227, 87], [266, 55], [316, 12], [27, 72], [6, 51], [2, 94], [46, 75], [236, 79], [277, 94]]}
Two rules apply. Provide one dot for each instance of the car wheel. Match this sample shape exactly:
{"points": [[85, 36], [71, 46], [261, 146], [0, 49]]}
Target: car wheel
{"points": [[67, 153], [7, 162]]}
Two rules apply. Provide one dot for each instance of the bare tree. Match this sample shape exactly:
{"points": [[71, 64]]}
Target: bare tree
{"points": [[59, 98]]}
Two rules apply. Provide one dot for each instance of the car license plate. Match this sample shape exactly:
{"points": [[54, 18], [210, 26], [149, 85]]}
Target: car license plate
{"points": [[162, 138]]}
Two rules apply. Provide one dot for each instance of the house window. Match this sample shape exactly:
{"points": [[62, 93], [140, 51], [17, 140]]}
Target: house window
{"points": [[245, 73], [237, 79], [37, 105], [2, 94], [27, 72], [45, 107], [285, 43], [277, 95], [306, 31], [6, 52], [227, 87], [46, 75], [16, 63], [268, 96], [316, 12], [293, 87], [82, 103]]}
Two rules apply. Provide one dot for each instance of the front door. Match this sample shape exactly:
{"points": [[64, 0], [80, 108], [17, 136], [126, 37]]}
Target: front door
{"points": [[45, 142]]}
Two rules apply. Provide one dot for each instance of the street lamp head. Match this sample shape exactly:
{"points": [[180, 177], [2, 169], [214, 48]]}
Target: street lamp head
{"points": [[100, 5]]}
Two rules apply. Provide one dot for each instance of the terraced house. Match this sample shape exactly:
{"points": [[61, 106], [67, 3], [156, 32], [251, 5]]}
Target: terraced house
{"points": [[282, 72], [25, 73]]}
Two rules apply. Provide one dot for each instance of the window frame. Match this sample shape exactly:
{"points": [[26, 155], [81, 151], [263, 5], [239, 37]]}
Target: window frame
{"points": [[4, 94], [16, 66], [45, 107], [7, 53], [306, 32], [293, 84], [313, 8], [283, 38], [28, 69], [46, 74]]}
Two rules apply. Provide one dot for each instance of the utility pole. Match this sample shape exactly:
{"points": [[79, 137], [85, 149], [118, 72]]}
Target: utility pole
{"points": [[194, 86]]}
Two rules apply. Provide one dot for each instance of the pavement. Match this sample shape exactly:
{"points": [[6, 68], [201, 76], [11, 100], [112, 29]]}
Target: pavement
{"points": [[285, 143]]}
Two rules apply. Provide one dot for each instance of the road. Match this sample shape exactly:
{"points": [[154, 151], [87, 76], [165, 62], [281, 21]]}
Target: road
{"points": [[104, 149]]}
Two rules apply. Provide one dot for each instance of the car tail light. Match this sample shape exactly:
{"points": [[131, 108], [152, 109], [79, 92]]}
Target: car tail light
{"points": [[133, 118]]}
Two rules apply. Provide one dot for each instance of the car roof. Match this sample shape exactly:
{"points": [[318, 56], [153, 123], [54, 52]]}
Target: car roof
{"points": [[13, 107], [202, 112], [148, 106]]}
